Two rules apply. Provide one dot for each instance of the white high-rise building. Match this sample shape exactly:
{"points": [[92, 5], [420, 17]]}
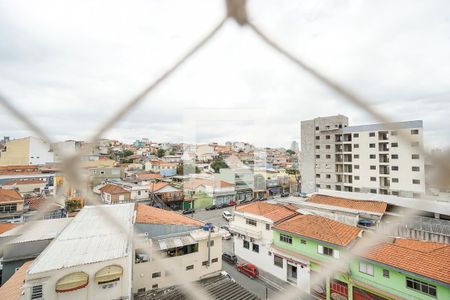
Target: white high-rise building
{"points": [[368, 158]]}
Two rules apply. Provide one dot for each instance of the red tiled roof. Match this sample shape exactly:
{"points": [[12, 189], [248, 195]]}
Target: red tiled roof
{"points": [[275, 212], [150, 215], [428, 259], [35, 203], [154, 187], [113, 189], [370, 206], [10, 196], [4, 227], [194, 183], [320, 228], [12, 289], [145, 176]]}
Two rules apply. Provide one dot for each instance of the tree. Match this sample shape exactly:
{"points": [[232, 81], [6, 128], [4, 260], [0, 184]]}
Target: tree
{"points": [[290, 152], [161, 152], [127, 152], [173, 151], [218, 164]]}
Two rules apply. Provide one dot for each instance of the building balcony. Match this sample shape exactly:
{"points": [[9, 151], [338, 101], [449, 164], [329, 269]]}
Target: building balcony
{"points": [[245, 230]]}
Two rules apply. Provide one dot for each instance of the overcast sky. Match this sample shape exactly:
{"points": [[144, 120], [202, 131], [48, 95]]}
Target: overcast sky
{"points": [[71, 64]]}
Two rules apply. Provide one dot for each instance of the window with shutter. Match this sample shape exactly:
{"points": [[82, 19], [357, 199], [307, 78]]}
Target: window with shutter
{"points": [[320, 249]]}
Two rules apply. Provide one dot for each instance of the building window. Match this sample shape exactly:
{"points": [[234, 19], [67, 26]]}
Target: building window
{"points": [[395, 180], [204, 263], [366, 268], [395, 193], [211, 244], [250, 222], [357, 190], [214, 260], [371, 145], [317, 147], [278, 261], [327, 251], [246, 244], [356, 146], [415, 131], [414, 144], [156, 275], [372, 156], [416, 181], [255, 248], [285, 239], [356, 177], [328, 186], [373, 179], [155, 286], [190, 267], [415, 169], [355, 135], [327, 137], [317, 137], [385, 273], [394, 168], [142, 290], [356, 156], [317, 127], [393, 133], [328, 176], [394, 156], [415, 156], [317, 175], [318, 156], [421, 286], [267, 226], [303, 242], [328, 156], [327, 147], [373, 191], [394, 145], [373, 167], [371, 134], [356, 166], [36, 292]]}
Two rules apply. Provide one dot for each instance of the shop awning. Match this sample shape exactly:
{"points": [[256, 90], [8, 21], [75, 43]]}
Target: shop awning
{"points": [[108, 274], [72, 282], [175, 242]]}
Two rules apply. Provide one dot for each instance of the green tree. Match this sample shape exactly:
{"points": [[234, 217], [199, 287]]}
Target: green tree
{"points": [[216, 165], [127, 152], [161, 152]]}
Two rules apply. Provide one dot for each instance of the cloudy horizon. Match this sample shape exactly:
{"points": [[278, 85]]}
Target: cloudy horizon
{"points": [[70, 65]]}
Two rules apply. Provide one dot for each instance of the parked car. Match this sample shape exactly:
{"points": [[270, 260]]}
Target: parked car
{"points": [[366, 223], [246, 201], [248, 269], [225, 273], [211, 207], [227, 215], [285, 194], [226, 235], [229, 257], [232, 203], [208, 227], [188, 211], [219, 206], [225, 227]]}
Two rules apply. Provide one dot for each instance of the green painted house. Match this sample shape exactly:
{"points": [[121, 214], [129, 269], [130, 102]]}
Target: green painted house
{"points": [[308, 243], [405, 269]]}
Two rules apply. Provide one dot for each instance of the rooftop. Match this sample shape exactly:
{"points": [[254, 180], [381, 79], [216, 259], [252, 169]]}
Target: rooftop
{"points": [[151, 215], [41, 230], [113, 189], [320, 228], [154, 187], [12, 289], [424, 258], [9, 196], [25, 181], [93, 232], [274, 212], [6, 226], [378, 207]]}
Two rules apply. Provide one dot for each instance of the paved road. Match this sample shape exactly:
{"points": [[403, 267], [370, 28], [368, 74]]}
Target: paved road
{"points": [[256, 286]]}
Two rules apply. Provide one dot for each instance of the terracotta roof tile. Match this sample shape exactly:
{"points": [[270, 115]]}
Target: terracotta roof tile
{"points": [[320, 228], [428, 259], [154, 187], [144, 176], [12, 288], [275, 212], [9, 195], [150, 215], [4, 227], [35, 203], [370, 206], [113, 189], [194, 183]]}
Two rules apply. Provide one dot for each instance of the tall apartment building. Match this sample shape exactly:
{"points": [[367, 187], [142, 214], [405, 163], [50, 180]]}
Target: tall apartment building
{"points": [[26, 151], [367, 158]]}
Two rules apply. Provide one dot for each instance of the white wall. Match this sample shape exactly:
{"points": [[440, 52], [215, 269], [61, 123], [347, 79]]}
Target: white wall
{"points": [[39, 152]]}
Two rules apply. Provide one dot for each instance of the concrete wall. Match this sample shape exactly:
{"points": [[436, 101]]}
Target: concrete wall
{"points": [[39, 152], [16, 153]]}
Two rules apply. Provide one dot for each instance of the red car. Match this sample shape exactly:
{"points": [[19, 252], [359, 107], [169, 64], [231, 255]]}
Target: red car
{"points": [[249, 270], [232, 203]]}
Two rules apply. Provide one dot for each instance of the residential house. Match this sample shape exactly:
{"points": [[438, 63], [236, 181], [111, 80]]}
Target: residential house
{"points": [[11, 206], [168, 193], [112, 194], [54, 210], [205, 153], [13, 288], [165, 169], [90, 259], [20, 245], [26, 186], [177, 247], [26, 151], [101, 174], [304, 245], [28, 178], [201, 192], [402, 269], [365, 213], [252, 224]]}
